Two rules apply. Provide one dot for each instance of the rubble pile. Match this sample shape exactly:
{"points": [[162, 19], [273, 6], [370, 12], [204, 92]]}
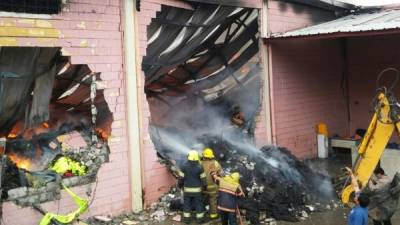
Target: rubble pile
{"points": [[276, 183], [158, 212], [384, 201]]}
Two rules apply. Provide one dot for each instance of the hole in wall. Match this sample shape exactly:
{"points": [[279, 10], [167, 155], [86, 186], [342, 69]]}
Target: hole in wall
{"points": [[51, 111]]}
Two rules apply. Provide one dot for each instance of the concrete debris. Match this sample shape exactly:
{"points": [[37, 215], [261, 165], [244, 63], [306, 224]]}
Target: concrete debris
{"points": [[270, 221], [103, 218], [177, 218], [158, 212], [158, 215], [130, 222], [79, 223], [310, 208]]}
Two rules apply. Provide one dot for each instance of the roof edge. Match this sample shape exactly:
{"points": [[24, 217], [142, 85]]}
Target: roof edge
{"points": [[331, 5]]}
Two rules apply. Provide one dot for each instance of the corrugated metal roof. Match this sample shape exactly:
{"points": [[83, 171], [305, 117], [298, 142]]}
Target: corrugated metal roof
{"points": [[361, 22]]}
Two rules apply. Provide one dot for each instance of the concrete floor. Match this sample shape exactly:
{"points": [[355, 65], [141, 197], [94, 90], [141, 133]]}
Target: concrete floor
{"points": [[337, 216]]}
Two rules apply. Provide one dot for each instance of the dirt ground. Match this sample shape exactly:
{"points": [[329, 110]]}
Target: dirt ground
{"points": [[334, 217]]}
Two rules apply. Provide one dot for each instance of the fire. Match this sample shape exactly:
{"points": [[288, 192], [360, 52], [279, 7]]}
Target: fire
{"points": [[15, 130], [19, 161], [103, 134], [12, 135], [46, 125]]}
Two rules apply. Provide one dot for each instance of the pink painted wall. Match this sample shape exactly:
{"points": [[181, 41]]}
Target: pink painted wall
{"points": [[156, 178], [306, 80], [91, 34], [284, 16], [368, 56]]}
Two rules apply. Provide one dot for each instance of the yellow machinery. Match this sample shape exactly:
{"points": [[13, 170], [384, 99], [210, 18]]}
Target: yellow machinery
{"points": [[385, 121]]}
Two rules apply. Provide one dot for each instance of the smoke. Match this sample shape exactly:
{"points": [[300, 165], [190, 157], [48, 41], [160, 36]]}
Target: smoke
{"points": [[272, 177]]}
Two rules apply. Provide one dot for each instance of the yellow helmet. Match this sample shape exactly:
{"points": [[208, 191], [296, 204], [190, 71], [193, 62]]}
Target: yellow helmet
{"points": [[208, 153], [235, 176], [193, 155]]}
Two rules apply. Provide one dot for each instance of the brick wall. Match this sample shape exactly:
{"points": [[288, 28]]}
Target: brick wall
{"points": [[284, 16], [306, 77], [368, 56], [304, 91], [90, 33]]}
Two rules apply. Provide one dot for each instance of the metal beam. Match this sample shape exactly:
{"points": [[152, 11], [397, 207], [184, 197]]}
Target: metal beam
{"points": [[331, 5], [239, 3], [336, 35]]}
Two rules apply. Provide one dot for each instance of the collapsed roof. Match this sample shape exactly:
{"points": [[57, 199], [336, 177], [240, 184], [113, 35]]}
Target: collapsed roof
{"points": [[39, 84], [198, 51]]}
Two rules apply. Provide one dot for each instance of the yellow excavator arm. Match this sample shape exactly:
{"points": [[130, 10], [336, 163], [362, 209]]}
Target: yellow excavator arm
{"points": [[385, 120]]}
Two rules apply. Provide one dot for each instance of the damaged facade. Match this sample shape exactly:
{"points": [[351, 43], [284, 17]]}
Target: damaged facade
{"points": [[170, 66], [61, 74]]}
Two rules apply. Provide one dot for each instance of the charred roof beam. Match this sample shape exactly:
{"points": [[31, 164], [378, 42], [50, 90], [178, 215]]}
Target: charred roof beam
{"points": [[330, 5]]}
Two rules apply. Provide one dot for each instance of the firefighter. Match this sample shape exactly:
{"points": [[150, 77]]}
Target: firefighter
{"points": [[211, 165], [228, 193], [194, 181]]}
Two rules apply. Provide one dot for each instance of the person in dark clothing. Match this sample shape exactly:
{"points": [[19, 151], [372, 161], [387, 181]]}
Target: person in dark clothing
{"points": [[378, 181], [194, 181], [229, 190], [359, 213]]}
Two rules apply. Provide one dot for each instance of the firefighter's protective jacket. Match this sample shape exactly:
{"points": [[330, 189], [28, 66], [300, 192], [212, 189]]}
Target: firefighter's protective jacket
{"points": [[209, 166], [193, 177], [228, 193]]}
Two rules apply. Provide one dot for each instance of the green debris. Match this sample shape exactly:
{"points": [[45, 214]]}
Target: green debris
{"points": [[65, 164]]}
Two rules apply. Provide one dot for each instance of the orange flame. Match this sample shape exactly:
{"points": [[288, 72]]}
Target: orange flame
{"points": [[46, 125], [15, 130], [103, 134], [19, 161], [28, 133]]}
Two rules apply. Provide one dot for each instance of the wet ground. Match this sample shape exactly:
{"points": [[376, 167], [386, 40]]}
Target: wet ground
{"points": [[335, 216]]}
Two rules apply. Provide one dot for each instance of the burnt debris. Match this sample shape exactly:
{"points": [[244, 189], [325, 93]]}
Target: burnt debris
{"points": [[51, 109], [276, 183]]}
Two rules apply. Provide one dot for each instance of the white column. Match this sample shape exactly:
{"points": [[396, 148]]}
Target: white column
{"points": [[131, 75], [265, 60]]}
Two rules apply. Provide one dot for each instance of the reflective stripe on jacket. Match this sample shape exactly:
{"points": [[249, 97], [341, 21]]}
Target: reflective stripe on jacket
{"points": [[193, 177], [228, 193]]}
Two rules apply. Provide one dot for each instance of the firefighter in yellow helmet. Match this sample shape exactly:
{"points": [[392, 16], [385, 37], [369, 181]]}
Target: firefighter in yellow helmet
{"points": [[210, 165], [228, 192], [194, 181]]}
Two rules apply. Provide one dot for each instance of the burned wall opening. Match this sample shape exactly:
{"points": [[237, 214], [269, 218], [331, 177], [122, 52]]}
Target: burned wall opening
{"points": [[202, 65], [54, 125], [203, 83]]}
